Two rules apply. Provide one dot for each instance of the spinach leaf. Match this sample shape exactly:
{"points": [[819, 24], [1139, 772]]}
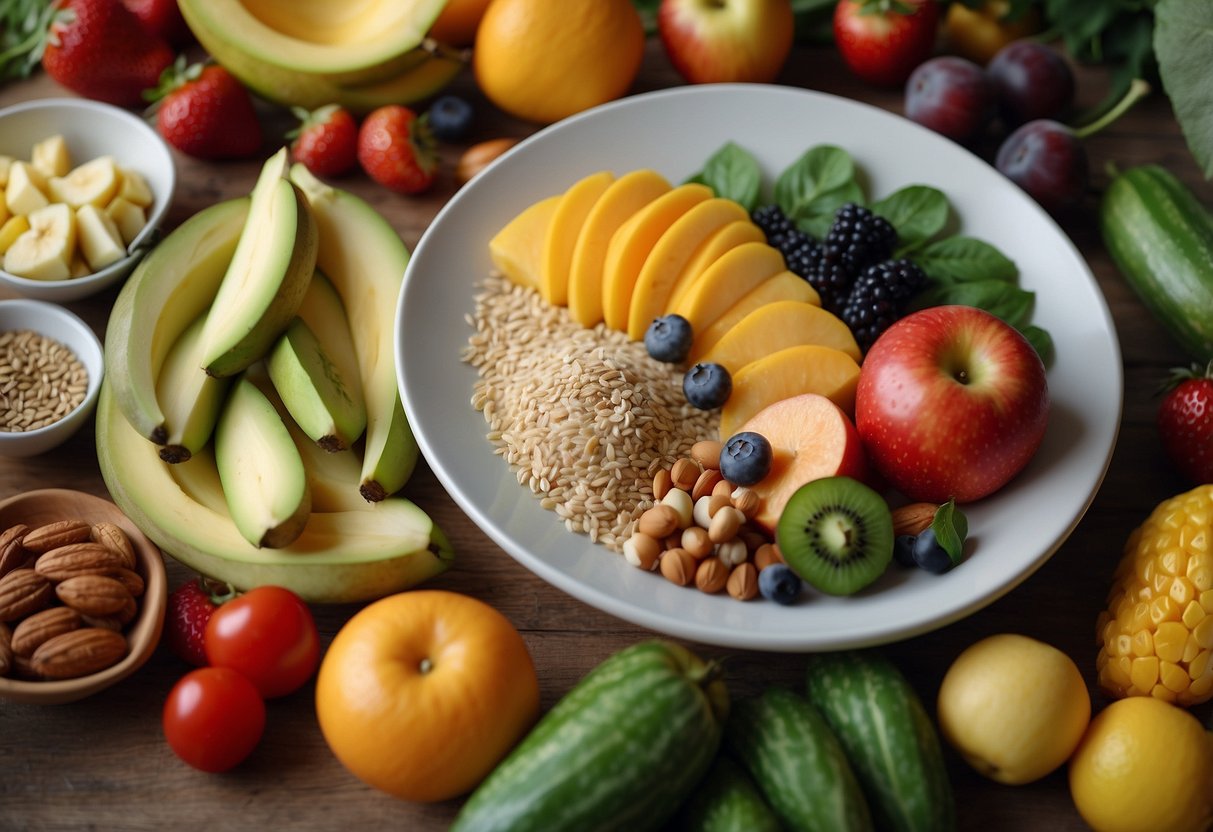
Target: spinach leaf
{"points": [[998, 297], [951, 527], [917, 213], [1183, 41], [733, 173], [963, 259], [1041, 341], [816, 184]]}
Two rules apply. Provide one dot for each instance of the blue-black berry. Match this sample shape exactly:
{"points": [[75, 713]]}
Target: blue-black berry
{"points": [[879, 297], [779, 583], [707, 386], [746, 458], [450, 118], [903, 549], [669, 338], [929, 555]]}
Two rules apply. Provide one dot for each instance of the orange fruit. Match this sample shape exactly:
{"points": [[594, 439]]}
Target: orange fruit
{"points": [[422, 693], [456, 24], [542, 61]]}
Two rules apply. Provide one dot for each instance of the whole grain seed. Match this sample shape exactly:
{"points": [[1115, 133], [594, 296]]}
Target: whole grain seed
{"points": [[45, 381]]}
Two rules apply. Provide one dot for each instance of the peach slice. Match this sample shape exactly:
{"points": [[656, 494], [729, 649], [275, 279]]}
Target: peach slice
{"points": [[776, 326], [516, 250], [782, 287], [670, 255], [811, 437], [633, 243], [730, 278], [567, 220], [731, 236], [808, 368], [622, 199]]}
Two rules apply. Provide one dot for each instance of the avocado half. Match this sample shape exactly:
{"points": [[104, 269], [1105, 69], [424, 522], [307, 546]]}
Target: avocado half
{"points": [[309, 53]]}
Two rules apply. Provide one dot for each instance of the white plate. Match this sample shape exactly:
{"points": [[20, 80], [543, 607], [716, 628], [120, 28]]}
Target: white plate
{"points": [[674, 131]]}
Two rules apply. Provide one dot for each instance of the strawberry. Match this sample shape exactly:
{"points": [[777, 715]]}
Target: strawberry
{"points": [[396, 149], [203, 111], [326, 140], [190, 607], [100, 50], [1185, 422], [882, 41], [163, 19]]}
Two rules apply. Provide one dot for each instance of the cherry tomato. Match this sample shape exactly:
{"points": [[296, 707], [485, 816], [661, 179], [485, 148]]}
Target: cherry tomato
{"points": [[213, 718], [268, 635]]}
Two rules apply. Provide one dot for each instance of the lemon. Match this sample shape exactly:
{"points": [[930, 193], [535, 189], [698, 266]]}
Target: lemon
{"points": [[1014, 707], [1144, 765], [542, 61]]}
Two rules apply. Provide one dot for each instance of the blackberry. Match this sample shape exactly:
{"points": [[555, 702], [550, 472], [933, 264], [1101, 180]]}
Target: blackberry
{"points": [[831, 279], [858, 238], [801, 254], [772, 220], [878, 298]]}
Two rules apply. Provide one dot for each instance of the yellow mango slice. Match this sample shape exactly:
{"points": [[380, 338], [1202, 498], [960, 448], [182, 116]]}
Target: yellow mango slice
{"points": [[563, 230], [808, 368], [728, 280], [777, 326], [785, 286], [731, 236], [670, 255], [517, 249], [620, 201], [632, 244]]}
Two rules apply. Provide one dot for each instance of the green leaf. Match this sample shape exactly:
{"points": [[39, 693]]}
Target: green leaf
{"points": [[648, 14], [1183, 43], [821, 213], [804, 188], [1041, 341], [965, 259], [917, 212], [951, 527], [733, 173], [998, 297]]}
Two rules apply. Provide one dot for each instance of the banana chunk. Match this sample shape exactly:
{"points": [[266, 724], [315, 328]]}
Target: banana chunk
{"points": [[45, 251], [99, 238], [93, 183], [51, 156], [25, 192]]}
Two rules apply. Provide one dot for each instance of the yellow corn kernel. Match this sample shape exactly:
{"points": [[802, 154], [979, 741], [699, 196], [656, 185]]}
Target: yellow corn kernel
{"points": [[1122, 645], [1164, 693], [1144, 673], [1143, 643], [1163, 609], [1204, 632], [1110, 630], [1206, 599], [1161, 583], [1181, 591], [1118, 668], [1169, 641], [1191, 649], [1200, 572], [1194, 537], [1172, 561], [1200, 666], [1173, 677], [1193, 613], [1141, 616], [1199, 689]]}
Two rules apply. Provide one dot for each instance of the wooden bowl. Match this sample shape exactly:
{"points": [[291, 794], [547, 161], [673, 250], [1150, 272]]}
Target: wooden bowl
{"points": [[36, 508]]}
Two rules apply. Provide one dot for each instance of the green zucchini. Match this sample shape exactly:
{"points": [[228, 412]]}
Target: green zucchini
{"points": [[797, 762], [889, 739], [622, 750], [726, 800], [1161, 238]]}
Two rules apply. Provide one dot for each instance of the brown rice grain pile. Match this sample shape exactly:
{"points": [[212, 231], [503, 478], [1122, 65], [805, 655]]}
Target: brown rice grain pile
{"points": [[584, 417]]}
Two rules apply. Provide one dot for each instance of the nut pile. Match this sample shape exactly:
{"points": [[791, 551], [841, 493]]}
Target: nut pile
{"points": [[41, 381], [68, 590], [698, 532]]}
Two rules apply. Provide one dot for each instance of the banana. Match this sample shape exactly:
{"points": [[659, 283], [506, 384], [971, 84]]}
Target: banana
{"points": [[25, 191], [189, 398], [341, 556], [267, 277], [13, 227], [51, 157], [134, 188], [365, 259], [171, 287], [100, 241], [45, 250], [128, 217], [93, 183]]}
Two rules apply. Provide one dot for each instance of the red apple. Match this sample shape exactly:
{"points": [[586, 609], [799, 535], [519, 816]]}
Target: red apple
{"points": [[952, 402], [710, 41]]}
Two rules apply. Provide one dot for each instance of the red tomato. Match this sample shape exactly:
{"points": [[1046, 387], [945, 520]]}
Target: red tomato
{"points": [[882, 41], [268, 635], [213, 718]]}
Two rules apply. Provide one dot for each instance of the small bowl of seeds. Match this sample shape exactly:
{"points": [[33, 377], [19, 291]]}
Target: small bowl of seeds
{"points": [[50, 374]]}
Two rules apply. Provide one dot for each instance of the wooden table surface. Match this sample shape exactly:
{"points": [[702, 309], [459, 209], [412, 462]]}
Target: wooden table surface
{"points": [[102, 763]]}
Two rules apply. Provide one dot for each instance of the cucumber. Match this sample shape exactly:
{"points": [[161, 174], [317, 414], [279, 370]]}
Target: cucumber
{"points": [[797, 762], [888, 737], [726, 800], [622, 750], [1161, 238]]}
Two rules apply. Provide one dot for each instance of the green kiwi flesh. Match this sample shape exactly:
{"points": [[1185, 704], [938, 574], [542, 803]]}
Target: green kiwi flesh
{"points": [[837, 534]]}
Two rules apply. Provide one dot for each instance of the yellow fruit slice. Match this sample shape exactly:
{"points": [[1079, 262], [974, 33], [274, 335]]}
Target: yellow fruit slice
{"points": [[731, 236], [786, 373], [622, 199], [517, 249], [785, 286], [670, 255], [633, 243], [567, 220], [727, 281], [776, 326], [13, 227]]}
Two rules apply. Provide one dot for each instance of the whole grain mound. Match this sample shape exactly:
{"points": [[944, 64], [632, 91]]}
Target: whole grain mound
{"points": [[584, 417]]}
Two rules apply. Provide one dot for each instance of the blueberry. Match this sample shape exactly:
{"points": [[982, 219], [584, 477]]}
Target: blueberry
{"points": [[746, 458], [707, 386], [903, 549], [779, 583], [668, 338], [929, 555], [450, 118]]}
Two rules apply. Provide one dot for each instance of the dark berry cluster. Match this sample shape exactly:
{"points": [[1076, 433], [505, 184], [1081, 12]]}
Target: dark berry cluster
{"points": [[878, 298], [858, 238]]}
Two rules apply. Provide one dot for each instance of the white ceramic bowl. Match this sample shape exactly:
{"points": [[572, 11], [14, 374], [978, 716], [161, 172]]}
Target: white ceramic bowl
{"points": [[91, 129], [53, 321]]}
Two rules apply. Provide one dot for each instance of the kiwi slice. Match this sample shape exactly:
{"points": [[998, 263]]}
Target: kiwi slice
{"points": [[836, 534]]}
